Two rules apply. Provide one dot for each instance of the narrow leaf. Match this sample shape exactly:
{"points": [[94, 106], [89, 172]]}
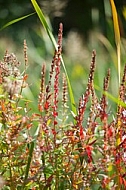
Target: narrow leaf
{"points": [[16, 20], [111, 97], [44, 22], [48, 30], [31, 148], [117, 34]]}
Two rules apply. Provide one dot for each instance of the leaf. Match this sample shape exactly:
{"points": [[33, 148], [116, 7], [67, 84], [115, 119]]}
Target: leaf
{"points": [[48, 30], [31, 148], [110, 167], [16, 20], [111, 97], [115, 22], [117, 34]]}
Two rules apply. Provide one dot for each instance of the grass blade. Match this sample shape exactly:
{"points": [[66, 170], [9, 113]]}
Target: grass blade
{"points": [[48, 30], [111, 97], [44, 22], [117, 34], [16, 20], [31, 148]]}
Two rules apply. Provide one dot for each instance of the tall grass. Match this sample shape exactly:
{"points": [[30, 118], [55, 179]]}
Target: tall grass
{"points": [[117, 35]]}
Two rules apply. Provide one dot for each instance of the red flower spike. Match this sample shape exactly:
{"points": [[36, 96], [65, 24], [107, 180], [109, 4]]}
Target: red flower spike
{"points": [[121, 180], [55, 114], [88, 151], [81, 133], [48, 181], [46, 106], [105, 182], [124, 182], [110, 132], [103, 116], [53, 131]]}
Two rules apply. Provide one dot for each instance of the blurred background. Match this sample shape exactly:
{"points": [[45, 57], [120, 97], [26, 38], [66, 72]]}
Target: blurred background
{"points": [[87, 25]]}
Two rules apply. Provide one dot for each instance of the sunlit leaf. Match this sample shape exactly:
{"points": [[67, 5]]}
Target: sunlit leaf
{"points": [[117, 34], [111, 97]]}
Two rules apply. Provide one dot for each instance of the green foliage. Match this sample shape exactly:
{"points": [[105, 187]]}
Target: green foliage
{"points": [[117, 35], [49, 149], [54, 146], [44, 23], [16, 20]]}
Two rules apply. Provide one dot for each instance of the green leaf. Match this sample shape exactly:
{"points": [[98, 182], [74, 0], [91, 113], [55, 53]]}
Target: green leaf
{"points": [[117, 34], [16, 20], [31, 148], [111, 97], [48, 30]]}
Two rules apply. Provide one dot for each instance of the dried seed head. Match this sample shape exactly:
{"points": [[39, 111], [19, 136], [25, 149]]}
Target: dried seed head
{"points": [[92, 69], [65, 92], [11, 86], [10, 76], [25, 53], [103, 102], [9, 67], [11, 60], [42, 89]]}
